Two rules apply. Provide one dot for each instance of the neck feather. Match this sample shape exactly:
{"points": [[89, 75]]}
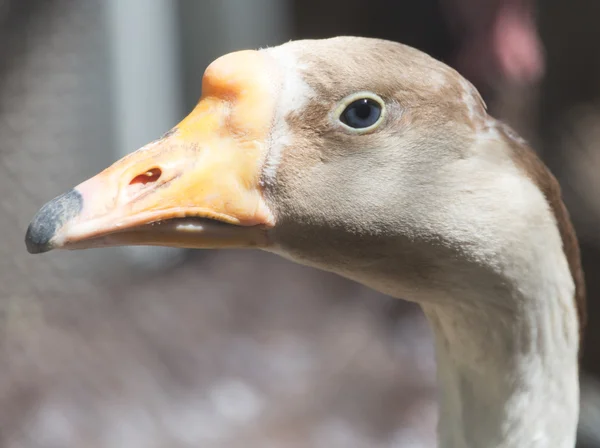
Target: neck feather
{"points": [[508, 378]]}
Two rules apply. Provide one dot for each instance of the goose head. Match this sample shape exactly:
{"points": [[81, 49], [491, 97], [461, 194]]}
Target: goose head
{"points": [[372, 160], [360, 156]]}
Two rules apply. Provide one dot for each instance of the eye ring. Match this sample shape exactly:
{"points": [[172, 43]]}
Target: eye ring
{"points": [[361, 112]]}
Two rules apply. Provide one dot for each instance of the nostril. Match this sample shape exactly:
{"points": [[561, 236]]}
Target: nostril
{"points": [[149, 176]]}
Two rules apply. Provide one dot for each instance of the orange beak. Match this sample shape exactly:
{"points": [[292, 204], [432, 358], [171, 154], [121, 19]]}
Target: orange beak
{"points": [[197, 187]]}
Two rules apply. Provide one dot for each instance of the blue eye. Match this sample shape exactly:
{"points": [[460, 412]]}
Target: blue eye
{"points": [[361, 113]]}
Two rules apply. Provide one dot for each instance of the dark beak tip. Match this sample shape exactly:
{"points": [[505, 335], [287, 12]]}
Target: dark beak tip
{"points": [[35, 244], [49, 219]]}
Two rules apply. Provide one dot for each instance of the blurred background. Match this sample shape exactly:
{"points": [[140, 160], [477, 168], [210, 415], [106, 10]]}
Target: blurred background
{"points": [[168, 348]]}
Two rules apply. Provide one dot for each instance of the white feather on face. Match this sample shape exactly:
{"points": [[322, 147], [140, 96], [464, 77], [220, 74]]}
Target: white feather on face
{"points": [[294, 94]]}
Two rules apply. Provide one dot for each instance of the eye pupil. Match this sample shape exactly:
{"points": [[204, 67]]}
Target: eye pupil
{"points": [[363, 109], [361, 113]]}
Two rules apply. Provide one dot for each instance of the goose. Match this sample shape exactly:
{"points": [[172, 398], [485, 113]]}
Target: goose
{"points": [[369, 159]]}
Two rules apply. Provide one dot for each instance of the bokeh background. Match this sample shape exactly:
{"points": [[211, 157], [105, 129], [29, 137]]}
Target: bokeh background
{"points": [[151, 347]]}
